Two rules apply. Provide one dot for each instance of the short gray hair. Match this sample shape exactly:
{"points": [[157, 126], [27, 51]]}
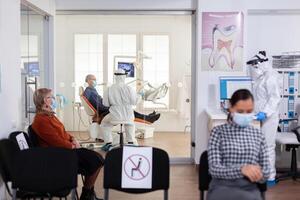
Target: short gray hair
{"points": [[88, 77]]}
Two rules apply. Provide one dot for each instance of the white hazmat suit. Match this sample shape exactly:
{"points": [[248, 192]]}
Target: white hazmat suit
{"points": [[266, 90], [120, 98]]}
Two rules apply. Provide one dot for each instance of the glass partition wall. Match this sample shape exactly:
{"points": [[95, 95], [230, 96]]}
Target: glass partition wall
{"points": [[156, 50], [34, 62]]}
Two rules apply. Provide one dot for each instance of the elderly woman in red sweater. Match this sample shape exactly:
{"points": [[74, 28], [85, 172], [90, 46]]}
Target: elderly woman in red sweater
{"points": [[51, 133]]}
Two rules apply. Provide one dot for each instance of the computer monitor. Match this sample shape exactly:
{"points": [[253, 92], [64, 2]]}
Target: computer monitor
{"points": [[127, 67], [230, 84], [32, 68]]}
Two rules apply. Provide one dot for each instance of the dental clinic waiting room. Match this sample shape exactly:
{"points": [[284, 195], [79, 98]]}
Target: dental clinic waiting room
{"points": [[149, 99]]}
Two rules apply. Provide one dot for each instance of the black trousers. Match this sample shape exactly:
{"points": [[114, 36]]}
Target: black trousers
{"points": [[88, 161], [237, 189]]}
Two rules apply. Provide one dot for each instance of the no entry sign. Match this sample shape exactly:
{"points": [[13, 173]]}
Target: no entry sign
{"points": [[137, 167]]}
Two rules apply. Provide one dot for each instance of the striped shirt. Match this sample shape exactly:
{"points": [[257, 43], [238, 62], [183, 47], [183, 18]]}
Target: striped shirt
{"points": [[232, 146]]}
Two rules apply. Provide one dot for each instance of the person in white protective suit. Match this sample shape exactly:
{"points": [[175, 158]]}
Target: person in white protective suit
{"points": [[266, 90], [120, 98]]}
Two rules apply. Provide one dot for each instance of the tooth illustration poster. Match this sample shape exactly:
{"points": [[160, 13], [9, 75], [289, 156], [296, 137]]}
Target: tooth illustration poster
{"points": [[222, 41]]}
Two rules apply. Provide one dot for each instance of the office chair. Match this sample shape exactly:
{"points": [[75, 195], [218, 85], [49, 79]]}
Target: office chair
{"points": [[113, 173], [121, 132], [205, 178]]}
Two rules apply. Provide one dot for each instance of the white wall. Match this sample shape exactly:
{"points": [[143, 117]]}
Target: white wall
{"points": [[277, 33], [207, 80], [125, 5], [10, 64], [178, 27], [10, 95]]}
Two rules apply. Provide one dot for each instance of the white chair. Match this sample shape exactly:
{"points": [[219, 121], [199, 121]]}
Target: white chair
{"points": [[121, 133], [291, 140]]}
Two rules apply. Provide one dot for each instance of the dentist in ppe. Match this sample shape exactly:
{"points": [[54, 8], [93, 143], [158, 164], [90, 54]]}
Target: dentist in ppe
{"points": [[266, 90], [120, 98]]}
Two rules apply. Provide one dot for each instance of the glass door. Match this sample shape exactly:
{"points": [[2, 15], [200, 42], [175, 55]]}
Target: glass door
{"points": [[155, 50], [34, 62]]}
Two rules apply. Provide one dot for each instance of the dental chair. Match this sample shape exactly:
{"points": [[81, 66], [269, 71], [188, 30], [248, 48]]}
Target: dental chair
{"points": [[94, 129], [143, 129], [154, 94]]}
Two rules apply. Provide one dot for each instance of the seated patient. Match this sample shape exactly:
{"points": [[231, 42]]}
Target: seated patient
{"points": [[51, 133], [237, 153], [97, 102]]}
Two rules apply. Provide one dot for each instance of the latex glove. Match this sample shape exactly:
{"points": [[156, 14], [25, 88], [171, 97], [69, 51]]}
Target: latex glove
{"points": [[261, 116]]}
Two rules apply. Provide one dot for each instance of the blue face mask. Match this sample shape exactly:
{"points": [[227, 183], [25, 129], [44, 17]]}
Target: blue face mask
{"points": [[53, 104], [94, 83], [243, 120]]}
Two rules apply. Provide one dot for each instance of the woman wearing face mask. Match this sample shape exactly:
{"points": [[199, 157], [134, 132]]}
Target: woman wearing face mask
{"points": [[51, 133], [237, 153]]}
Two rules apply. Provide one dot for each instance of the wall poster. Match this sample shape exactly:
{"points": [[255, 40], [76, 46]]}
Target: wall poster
{"points": [[222, 41]]}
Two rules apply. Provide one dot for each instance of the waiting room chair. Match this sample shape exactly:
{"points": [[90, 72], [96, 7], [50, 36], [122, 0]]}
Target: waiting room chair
{"points": [[51, 171], [291, 140], [8, 150], [113, 173], [205, 177], [13, 136], [38, 172], [33, 137]]}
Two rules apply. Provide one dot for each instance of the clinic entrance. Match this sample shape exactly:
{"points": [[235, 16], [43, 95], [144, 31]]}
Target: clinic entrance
{"points": [[155, 47], [35, 67]]}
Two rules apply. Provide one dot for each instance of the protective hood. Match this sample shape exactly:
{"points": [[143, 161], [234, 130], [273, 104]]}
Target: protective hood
{"points": [[120, 76], [259, 64], [258, 58], [258, 70]]}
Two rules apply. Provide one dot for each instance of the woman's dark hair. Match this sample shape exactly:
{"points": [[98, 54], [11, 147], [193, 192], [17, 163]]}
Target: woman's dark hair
{"points": [[239, 95], [242, 94]]}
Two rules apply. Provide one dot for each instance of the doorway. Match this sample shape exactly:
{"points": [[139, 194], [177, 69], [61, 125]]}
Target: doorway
{"points": [[34, 57], [158, 46]]}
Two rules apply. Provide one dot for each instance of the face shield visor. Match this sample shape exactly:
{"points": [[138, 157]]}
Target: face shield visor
{"points": [[120, 76]]}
